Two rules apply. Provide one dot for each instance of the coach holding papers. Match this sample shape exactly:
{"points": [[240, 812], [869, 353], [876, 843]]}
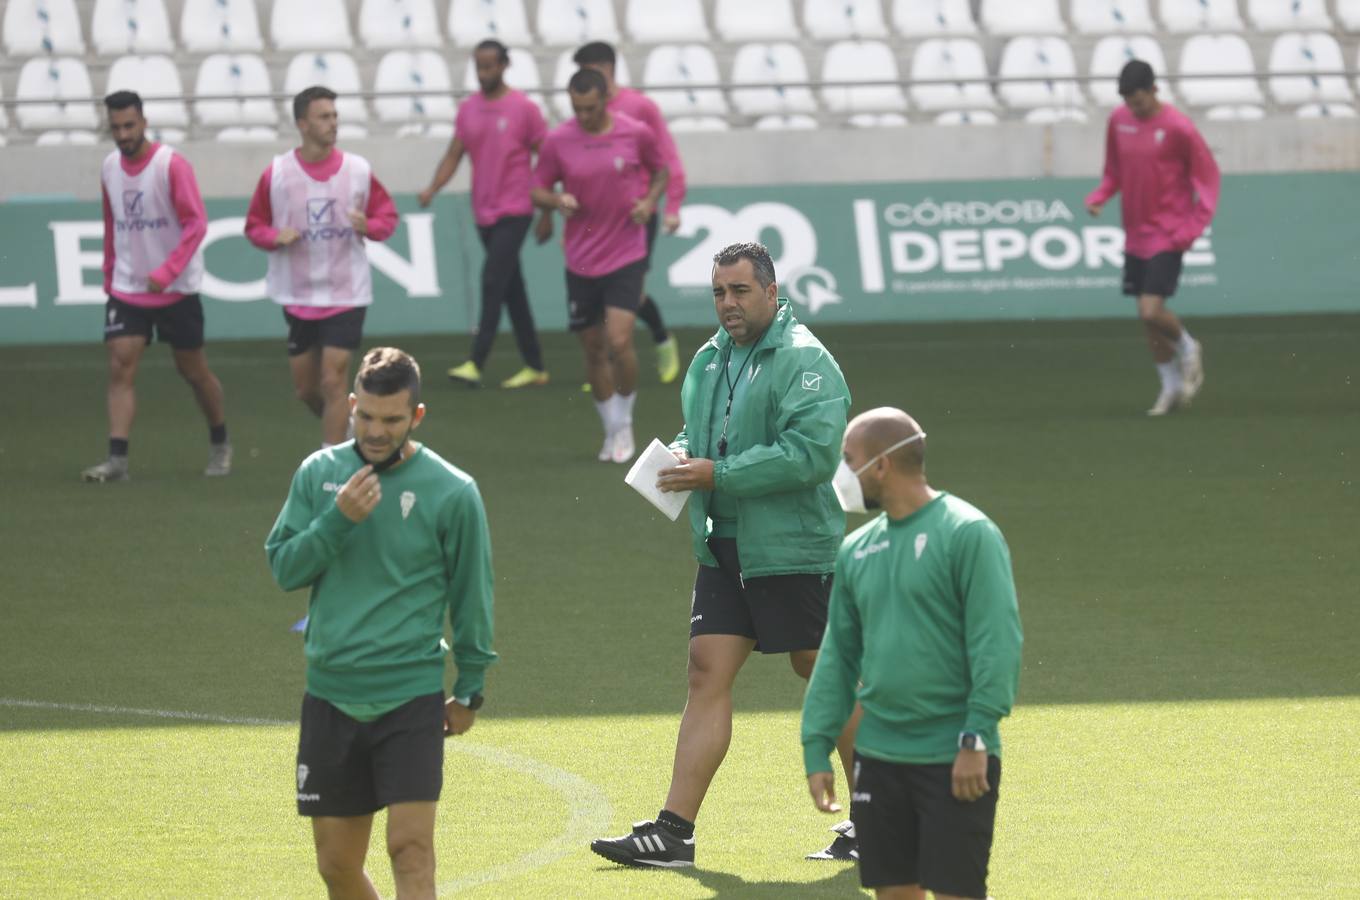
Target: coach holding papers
{"points": [[765, 410]]}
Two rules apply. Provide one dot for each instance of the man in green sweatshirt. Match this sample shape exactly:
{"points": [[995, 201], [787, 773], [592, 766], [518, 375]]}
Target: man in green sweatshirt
{"points": [[390, 538], [924, 631]]}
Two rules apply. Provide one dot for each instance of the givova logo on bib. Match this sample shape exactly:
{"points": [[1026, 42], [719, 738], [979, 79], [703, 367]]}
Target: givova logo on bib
{"points": [[134, 214], [321, 221]]}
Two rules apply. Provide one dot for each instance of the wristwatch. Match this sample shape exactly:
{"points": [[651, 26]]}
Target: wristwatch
{"points": [[473, 702], [971, 740]]}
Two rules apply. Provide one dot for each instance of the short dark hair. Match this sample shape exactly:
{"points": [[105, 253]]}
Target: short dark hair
{"points": [[303, 101], [123, 100], [502, 51], [595, 53], [1136, 75], [587, 80], [386, 371], [758, 254]]}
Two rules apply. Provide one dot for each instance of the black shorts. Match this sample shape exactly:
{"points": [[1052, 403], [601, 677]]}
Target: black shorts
{"points": [[781, 612], [653, 224], [344, 330], [180, 324], [911, 830], [587, 298], [350, 768], [1155, 275]]}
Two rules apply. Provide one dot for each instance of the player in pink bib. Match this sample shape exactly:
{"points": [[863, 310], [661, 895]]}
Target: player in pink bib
{"points": [[1169, 181], [154, 223], [313, 210], [613, 174]]}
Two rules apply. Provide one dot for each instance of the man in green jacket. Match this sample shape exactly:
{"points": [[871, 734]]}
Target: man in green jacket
{"points": [[390, 538], [765, 407], [924, 631]]}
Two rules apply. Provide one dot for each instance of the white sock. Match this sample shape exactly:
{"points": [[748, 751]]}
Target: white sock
{"points": [[1170, 373], [623, 408], [1186, 343], [606, 410]]}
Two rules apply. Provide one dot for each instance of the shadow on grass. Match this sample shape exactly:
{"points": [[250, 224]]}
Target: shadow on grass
{"points": [[726, 885]]}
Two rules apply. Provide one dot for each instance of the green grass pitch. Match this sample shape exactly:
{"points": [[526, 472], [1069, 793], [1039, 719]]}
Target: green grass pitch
{"points": [[1189, 710]]}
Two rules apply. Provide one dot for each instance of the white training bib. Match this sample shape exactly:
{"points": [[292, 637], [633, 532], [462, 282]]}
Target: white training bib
{"points": [[146, 228]]}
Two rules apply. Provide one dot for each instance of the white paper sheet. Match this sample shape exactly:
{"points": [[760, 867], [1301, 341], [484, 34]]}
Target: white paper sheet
{"points": [[642, 478]]}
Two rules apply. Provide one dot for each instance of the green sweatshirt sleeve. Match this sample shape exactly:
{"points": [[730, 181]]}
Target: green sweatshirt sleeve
{"points": [[991, 618], [467, 553], [303, 541], [830, 697], [810, 425], [681, 441]]}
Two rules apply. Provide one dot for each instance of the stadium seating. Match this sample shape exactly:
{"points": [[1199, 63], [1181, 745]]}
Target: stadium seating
{"points": [[1200, 15], [435, 131], [672, 66], [576, 21], [949, 58], [472, 21], [1348, 12], [755, 20], [1326, 111], [385, 24], [1109, 57], [1211, 54], [151, 77], [54, 78], [786, 123], [933, 18], [562, 74], [699, 123], [966, 117], [247, 134], [857, 62], [310, 25], [422, 70], [1055, 115], [878, 120], [834, 20], [650, 22], [522, 75], [1289, 15], [130, 26], [42, 26], [1032, 57], [774, 64], [227, 25], [57, 138], [1242, 112], [1010, 17], [240, 75], [1298, 52], [332, 69], [1106, 16]]}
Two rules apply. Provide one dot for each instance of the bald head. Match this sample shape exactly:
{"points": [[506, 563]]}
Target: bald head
{"points": [[872, 432]]}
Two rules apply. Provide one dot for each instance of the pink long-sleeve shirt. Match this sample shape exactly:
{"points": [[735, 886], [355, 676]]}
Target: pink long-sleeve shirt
{"points": [[193, 223], [1167, 175], [638, 105], [381, 213]]}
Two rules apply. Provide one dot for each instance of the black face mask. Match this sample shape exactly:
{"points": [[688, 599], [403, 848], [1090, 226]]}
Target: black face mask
{"points": [[386, 463]]}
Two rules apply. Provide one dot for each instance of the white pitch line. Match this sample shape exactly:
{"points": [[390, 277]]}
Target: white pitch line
{"points": [[588, 809]]}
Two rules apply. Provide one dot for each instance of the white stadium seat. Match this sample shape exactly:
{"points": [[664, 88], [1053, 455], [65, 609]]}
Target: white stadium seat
{"points": [[567, 68], [1110, 56], [172, 136], [1215, 53], [1017, 17], [387, 24], [228, 25], [54, 78], [775, 64], [152, 77], [1348, 12], [1289, 15], [786, 123], [966, 117], [347, 132], [878, 120], [130, 26], [247, 134], [1031, 57], [1055, 115], [42, 26], [577, 21], [332, 69], [4, 117], [699, 123], [933, 18], [1200, 15], [681, 67], [650, 22], [522, 76], [237, 75], [834, 20], [413, 70], [57, 138], [938, 59], [1106, 16], [1317, 52], [856, 62], [310, 25], [435, 131], [755, 20], [1326, 111], [1234, 113], [473, 21]]}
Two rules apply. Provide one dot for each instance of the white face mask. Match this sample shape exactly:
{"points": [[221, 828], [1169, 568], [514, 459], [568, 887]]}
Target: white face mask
{"points": [[846, 480]]}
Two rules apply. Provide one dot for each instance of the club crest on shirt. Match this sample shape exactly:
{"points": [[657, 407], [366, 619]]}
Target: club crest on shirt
{"points": [[502, 123], [408, 502], [619, 163], [1159, 135]]}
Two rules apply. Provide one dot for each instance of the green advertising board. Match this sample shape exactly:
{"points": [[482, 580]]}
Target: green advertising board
{"points": [[893, 252]]}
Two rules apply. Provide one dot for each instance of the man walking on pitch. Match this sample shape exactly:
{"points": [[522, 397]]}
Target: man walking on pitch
{"points": [[764, 406], [600, 56], [612, 174], [1169, 179], [499, 129], [924, 630], [391, 539], [154, 223], [312, 210]]}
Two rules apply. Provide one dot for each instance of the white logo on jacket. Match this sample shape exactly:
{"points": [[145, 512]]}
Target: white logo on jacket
{"points": [[920, 545], [408, 501], [812, 381]]}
